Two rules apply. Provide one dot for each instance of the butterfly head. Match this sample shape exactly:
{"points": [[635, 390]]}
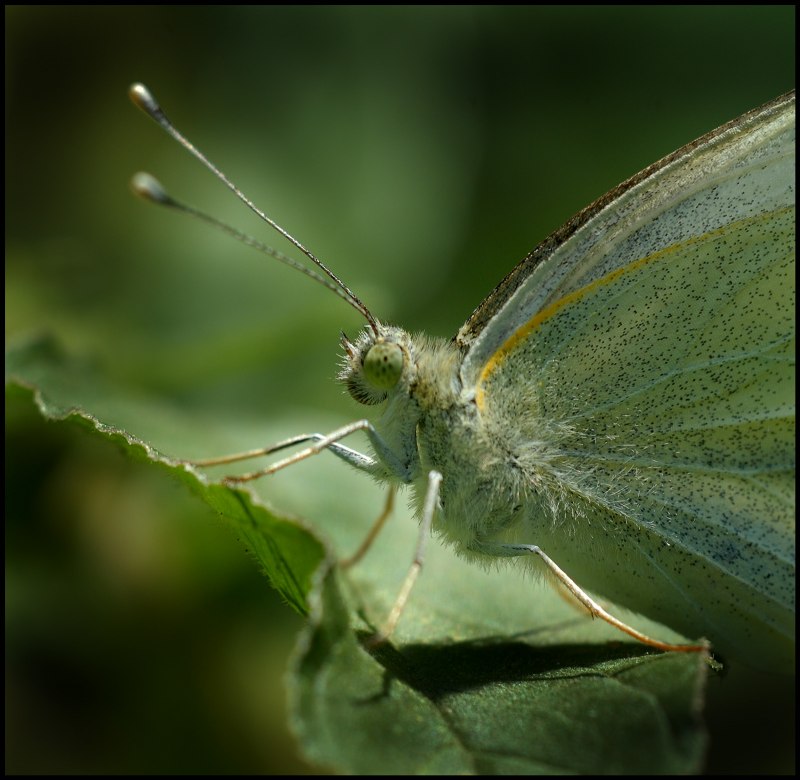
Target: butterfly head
{"points": [[376, 363]]}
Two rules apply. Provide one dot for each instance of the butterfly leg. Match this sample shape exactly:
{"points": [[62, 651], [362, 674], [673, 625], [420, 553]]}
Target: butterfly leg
{"points": [[583, 598], [321, 442], [428, 510], [353, 457]]}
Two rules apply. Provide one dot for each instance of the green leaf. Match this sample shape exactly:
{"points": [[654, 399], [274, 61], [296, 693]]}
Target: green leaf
{"points": [[487, 672], [65, 389], [492, 706]]}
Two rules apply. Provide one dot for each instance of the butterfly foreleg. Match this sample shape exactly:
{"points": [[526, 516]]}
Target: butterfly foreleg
{"points": [[320, 442]]}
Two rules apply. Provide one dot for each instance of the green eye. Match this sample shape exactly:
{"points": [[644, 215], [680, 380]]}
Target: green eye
{"points": [[383, 365]]}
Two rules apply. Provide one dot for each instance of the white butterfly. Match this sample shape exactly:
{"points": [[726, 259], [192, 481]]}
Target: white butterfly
{"points": [[620, 409]]}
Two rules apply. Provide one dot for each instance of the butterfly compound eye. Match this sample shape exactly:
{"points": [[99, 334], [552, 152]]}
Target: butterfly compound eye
{"points": [[383, 365]]}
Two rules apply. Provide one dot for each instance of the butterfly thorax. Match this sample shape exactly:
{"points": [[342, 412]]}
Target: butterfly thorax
{"points": [[430, 421]]}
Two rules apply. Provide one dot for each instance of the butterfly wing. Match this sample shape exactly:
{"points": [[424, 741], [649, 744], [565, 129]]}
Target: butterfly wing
{"points": [[706, 184], [649, 361]]}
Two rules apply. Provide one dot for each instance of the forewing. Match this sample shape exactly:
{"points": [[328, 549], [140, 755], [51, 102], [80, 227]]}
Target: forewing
{"points": [[740, 170], [650, 390]]}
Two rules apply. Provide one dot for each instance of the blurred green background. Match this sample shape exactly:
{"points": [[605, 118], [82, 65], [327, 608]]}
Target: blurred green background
{"points": [[421, 152]]}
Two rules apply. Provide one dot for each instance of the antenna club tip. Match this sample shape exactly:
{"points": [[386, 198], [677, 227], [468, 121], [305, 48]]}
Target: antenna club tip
{"points": [[142, 98], [149, 188]]}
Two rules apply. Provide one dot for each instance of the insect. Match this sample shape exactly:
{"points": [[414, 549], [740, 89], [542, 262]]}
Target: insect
{"points": [[619, 410]]}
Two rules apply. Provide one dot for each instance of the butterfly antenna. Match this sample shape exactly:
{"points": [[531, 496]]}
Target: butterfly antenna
{"points": [[146, 186]]}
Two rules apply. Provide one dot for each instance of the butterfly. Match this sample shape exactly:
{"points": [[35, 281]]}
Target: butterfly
{"points": [[619, 411]]}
